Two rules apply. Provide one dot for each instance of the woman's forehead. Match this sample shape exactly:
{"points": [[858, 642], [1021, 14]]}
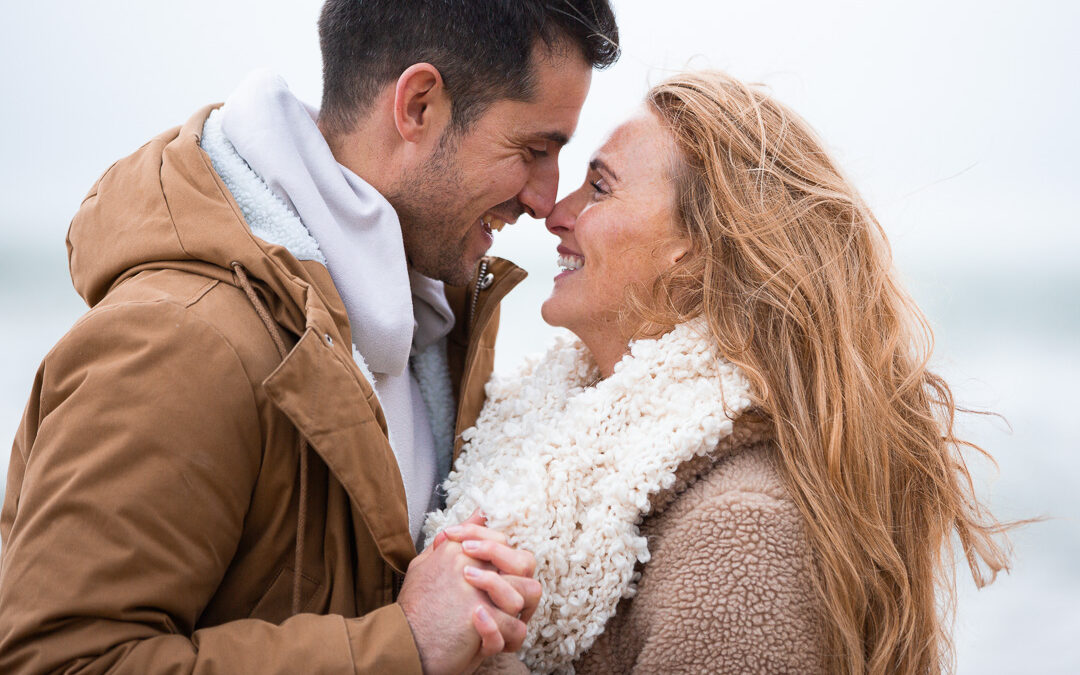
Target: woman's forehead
{"points": [[639, 144]]}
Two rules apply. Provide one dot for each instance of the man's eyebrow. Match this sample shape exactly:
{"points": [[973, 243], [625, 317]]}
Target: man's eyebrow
{"points": [[556, 137], [596, 163]]}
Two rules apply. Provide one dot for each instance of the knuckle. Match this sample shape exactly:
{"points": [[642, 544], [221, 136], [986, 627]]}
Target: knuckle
{"points": [[531, 590], [516, 635], [535, 588], [524, 565], [495, 644]]}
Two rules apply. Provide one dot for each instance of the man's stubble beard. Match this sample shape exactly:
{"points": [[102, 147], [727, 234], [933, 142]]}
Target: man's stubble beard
{"points": [[435, 243]]}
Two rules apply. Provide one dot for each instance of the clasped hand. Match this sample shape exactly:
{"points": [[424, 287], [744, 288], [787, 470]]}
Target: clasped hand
{"points": [[468, 596]]}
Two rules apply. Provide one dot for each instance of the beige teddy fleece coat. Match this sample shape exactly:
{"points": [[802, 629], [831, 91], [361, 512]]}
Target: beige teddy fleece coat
{"points": [[729, 588]]}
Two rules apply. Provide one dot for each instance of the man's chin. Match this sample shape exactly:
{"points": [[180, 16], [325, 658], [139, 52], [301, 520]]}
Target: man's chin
{"points": [[454, 265], [451, 273], [464, 271], [459, 277]]}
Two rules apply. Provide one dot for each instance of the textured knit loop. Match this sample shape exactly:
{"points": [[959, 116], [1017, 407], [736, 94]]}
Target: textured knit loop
{"points": [[566, 470], [301, 516]]}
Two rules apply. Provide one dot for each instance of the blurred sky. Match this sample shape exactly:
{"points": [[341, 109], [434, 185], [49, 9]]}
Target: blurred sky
{"points": [[957, 120]]}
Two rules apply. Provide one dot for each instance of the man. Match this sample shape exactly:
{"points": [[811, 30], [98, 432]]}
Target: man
{"points": [[224, 465]]}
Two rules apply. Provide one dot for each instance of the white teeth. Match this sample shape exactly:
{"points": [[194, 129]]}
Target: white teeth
{"points": [[571, 262], [493, 222]]}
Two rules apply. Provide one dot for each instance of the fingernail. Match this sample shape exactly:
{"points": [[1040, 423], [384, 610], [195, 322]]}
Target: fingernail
{"points": [[470, 545], [483, 614], [454, 530], [472, 572]]}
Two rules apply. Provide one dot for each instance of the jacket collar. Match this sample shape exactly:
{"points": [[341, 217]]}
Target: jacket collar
{"points": [[471, 343]]}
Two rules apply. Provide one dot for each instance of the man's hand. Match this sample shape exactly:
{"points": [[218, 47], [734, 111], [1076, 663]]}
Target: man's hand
{"points": [[455, 625]]}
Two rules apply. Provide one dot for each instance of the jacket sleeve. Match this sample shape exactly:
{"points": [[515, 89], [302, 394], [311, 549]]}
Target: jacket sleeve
{"points": [[731, 592], [139, 451]]}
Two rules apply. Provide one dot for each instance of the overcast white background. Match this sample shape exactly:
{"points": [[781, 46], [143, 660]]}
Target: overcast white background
{"points": [[957, 120]]}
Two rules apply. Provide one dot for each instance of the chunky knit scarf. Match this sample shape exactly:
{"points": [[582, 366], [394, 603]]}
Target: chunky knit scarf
{"points": [[565, 466]]}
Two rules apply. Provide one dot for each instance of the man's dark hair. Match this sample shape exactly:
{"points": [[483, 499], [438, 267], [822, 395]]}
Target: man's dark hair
{"points": [[482, 48]]}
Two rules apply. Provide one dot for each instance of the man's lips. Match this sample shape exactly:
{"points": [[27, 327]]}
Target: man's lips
{"points": [[493, 222], [497, 219]]}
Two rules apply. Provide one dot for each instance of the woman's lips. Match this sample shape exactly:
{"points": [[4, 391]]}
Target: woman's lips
{"points": [[571, 262]]}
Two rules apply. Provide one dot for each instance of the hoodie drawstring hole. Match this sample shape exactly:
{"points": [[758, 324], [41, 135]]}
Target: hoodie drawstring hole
{"points": [[329, 340]]}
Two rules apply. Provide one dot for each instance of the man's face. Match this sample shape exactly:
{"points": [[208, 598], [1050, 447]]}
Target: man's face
{"points": [[506, 164]]}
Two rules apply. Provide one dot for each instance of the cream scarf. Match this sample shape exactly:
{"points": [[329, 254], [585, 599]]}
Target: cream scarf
{"points": [[566, 469]]}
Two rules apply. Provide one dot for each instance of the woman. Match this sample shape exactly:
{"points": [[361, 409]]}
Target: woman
{"points": [[767, 478]]}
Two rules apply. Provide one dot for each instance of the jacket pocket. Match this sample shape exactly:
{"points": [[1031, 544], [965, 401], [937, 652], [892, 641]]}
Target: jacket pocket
{"points": [[276, 603]]}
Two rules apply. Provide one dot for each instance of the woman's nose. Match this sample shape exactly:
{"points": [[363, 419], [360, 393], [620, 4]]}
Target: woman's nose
{"points": [[563, 215]]}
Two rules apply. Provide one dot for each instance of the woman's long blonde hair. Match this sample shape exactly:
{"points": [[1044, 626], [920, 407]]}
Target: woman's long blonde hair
{"points": [[795, 278]]}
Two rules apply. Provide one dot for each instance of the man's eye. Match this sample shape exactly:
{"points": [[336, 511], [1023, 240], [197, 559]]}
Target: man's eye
{"points": [[599, 186], [538, 151]]}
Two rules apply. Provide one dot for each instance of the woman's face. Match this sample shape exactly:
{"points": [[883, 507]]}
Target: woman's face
{"points": [[616, 230]]}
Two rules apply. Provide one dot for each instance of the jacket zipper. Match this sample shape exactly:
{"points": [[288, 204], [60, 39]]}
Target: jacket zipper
{"points": [[476, 290]]}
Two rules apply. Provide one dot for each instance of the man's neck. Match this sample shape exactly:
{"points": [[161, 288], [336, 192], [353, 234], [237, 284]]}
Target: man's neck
{"points": [[365, 150]]}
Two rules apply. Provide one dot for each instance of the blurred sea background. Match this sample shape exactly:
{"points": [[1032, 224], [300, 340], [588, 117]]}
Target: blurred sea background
{"points": [[957, 120]]}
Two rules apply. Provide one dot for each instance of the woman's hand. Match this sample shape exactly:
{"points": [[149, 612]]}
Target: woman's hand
{"points": [[504, 573]]}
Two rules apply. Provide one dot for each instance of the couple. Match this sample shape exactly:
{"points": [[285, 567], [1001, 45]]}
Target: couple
{"points": [[736, 460]]}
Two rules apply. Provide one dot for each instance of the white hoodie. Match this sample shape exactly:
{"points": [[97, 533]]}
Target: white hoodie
{"points": [[266, 146]]}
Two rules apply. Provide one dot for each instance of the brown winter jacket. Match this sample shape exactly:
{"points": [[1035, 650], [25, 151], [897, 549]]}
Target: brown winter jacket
{"points": [[729, 587], [151, 518]]}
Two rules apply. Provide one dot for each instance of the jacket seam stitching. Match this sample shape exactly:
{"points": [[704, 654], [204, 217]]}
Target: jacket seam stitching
{"points": [[185, 310]]}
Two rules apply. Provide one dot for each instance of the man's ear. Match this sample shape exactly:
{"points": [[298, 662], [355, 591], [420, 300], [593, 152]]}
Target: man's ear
{"points": [[421, 106]]}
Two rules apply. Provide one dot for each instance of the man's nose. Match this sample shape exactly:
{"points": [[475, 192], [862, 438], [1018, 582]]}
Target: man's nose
{"points": [[538, 195]]}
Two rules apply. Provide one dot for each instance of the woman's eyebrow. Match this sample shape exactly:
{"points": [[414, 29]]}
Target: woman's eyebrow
{"points": [[596, 164]]}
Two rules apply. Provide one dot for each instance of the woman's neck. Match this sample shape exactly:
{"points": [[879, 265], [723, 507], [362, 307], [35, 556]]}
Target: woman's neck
{"points": [[606, 347]]}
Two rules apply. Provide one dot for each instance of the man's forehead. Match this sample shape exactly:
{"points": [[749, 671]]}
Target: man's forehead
{"points": [[551, 113], [562, 82], [526, 122]]}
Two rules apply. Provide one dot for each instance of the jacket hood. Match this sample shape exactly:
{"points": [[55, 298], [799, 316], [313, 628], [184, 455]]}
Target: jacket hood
{"points": [[164, 207]]}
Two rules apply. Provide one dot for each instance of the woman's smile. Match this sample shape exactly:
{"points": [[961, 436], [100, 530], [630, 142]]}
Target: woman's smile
{"points": [[569, 261]]}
